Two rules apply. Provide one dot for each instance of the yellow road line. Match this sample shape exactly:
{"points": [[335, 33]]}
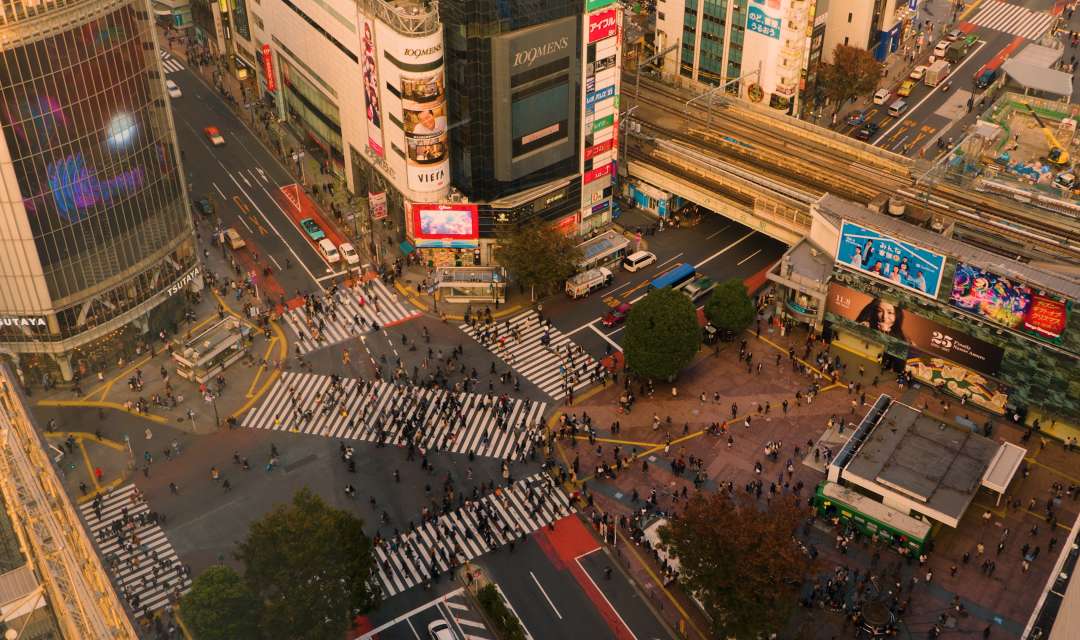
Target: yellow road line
{"points": [[82, 435], [102, 405], [634, 443], [283, 353], [105, 488], [784, 351], [670, 596], [1055, 470], [262, 366], [89, 466]]}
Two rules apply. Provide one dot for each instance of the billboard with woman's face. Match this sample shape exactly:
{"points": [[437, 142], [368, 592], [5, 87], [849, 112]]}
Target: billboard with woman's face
{"points": [[895, 261]]}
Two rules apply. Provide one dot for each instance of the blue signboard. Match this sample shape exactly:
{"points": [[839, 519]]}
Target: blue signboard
{"points": [[596, 96], [889, 259], [760, 22]]}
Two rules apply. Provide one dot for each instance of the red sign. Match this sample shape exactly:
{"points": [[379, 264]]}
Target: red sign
{"points": [[597, 149], [268, 68], [603, 24], [446, 222], [1046, 317], [597, 173], [567, 225]]}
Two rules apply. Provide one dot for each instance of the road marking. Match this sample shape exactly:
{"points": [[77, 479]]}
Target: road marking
{"points": [[328, 277], [716, 233], [971, 56], [740, 262], [617, 288], [509, 606], [240, 204], [246, 225], [244, 178], [613, 609], [722, 251], [661, 265], [546, 596], [604, 336], [274, 260], [584, 326], [413, 629], [220, 192], [411, 613]]}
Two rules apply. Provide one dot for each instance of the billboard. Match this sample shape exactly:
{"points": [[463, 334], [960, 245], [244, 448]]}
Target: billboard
{"points": [[895, 261], [922, 334], [603, 24], [268, 68], [1007, 302], [445, 225], [370, 68], [759, 20]]}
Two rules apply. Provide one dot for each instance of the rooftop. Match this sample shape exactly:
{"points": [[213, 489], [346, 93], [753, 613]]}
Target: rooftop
{"points": [[927, 462]]}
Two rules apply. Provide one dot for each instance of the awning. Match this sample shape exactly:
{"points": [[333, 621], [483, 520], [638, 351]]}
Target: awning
{"points": [[1039, 78], [406, 248], [1003, 467]]}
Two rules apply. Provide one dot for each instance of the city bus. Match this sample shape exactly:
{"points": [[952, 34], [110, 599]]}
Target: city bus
{"points": [[675, 278], [871, 518]]}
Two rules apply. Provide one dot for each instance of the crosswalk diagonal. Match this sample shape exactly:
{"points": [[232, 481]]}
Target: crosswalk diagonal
{"points": [[170, 64], [147, 572], [455, 537], [1012, 19], [346, 313], [381, 412], [539, 352]]}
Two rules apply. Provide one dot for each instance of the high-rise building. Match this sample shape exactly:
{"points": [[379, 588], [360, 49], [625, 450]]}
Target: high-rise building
{"points": [[96, 240]]}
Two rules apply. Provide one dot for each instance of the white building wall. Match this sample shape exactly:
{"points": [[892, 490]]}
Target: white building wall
{"points": [[848, 23]]}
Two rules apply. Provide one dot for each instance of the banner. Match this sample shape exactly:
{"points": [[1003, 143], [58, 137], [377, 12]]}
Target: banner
{"points": [[895, 261], [370, 69], [603, 24], [377, 205], [268, 68], [922, 334], [445, 225], [1007, 302]]}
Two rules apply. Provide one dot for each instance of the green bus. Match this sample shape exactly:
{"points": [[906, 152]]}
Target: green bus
{"points": [[871, 518]]}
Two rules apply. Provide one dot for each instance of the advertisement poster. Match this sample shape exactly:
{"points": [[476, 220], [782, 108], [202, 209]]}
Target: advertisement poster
{"points": [[1007, 302], [603, 24], [889, 259], [377, 204], [758, 21], [445, 225], [958, 381], [369, 67], [922, 334], [423, 105]]}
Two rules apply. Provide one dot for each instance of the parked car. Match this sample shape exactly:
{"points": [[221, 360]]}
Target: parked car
{"points": [[616, 316], [173, 89], [955, 34], [986, 78], [214, 136], [856, 118], [867, 131], [348, 252], [329, 251], [312, 229], [204, 206]]}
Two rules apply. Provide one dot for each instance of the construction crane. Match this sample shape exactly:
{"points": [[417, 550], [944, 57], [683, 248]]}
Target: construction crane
{"points": [[1057, 155]]}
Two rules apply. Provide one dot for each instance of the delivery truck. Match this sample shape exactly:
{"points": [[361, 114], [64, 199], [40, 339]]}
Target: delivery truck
{"points": [[937, 72], [586, 282]]}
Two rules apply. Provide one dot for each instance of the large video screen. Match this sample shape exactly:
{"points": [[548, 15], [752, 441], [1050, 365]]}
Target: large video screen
{"points": [[445, 225], [881, 256], [85, 124], [1009, 303]]}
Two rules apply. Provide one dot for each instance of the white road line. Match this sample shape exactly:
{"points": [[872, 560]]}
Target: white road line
{"points": [[408, 614], [413, 630], [716, 233], [220, 192], [274, 260], [546, 596], [740, 262], [514, 611], [604, 336], [244, 222], [971, 56], [328, 277], [661, 265], [722, 251], [611, 291], [613, 609], [297, 227]]}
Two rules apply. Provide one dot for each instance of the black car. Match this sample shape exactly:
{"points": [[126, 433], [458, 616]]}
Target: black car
{"points": [[868, 130], [204, 206]]}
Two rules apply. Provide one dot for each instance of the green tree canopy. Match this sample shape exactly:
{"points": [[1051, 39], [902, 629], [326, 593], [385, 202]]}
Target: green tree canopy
{"points": [[662, 334], [853, 73], [740, 560], [312, 566], [538, 255], [730, 308], [220, 606]]}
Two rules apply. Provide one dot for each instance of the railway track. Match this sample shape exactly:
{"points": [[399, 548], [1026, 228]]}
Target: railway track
{"points": [[814, 163]]}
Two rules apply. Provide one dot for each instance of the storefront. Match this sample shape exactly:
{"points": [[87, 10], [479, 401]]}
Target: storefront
{"points": [[465, 285], [603, 250], [801, 276], [654, 200]]}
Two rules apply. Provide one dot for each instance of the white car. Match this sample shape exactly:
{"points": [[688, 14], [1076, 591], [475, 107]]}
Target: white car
{"points": [[329, 251], [918, 72], [348, 252], [881, 96], [439, 630], [173, 89]]}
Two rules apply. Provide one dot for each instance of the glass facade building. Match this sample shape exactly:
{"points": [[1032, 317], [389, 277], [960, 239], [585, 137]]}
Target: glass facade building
{"points": [[95, 229]]}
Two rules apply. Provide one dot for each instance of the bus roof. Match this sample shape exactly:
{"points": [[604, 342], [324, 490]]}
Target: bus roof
{"points": [[673, 275]]}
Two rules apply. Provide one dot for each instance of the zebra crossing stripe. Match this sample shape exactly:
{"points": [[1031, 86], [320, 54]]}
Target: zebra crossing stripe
{"points": [[340, 327], [366, 404], [404, 561], [1012, 19], [544, 366], [135, 566]]}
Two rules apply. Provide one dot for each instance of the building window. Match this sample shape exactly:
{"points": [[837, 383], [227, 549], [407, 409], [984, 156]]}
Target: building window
{"points": [[845, 41], [849, 17], [660, 15]]}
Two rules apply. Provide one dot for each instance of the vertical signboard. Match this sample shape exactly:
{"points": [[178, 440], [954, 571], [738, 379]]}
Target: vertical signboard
{"points": [[370, 68], [764, 22], [601, 41], [268, 68]]}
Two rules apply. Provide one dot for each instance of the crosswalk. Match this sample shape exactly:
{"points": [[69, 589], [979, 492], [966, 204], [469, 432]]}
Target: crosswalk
{"points": [[374, 411], [171, 64], [134, 549], [443, 543], [1012, 19], [519, 342], [347, 313]]}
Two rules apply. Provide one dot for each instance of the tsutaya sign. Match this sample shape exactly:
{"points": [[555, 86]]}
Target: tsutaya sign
{"points": [[184, 281], [22, 321]]}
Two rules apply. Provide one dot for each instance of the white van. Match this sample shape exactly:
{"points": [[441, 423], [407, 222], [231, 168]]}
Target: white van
{"points": [[898, 107], [638, 260], [329, 251], [941, 48], [881, 96]]}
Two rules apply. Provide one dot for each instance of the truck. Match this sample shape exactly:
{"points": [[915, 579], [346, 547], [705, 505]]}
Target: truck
{"points": [[586, 282], [698, 287], [957, 51], [936, 73]]}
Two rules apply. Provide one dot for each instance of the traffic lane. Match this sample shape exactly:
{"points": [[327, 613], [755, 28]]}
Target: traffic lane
{"points": [[547, 598], [624, 598], [407, 615]]}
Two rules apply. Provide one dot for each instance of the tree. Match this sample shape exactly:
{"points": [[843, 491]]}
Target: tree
{"points": [[740, 560], [853, 72], [220, 606], [313, 568], [730, 308], [662, 335], [538, 255]]}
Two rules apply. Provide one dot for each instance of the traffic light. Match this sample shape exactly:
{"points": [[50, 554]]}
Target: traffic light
{"points": [[476, 256]]}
